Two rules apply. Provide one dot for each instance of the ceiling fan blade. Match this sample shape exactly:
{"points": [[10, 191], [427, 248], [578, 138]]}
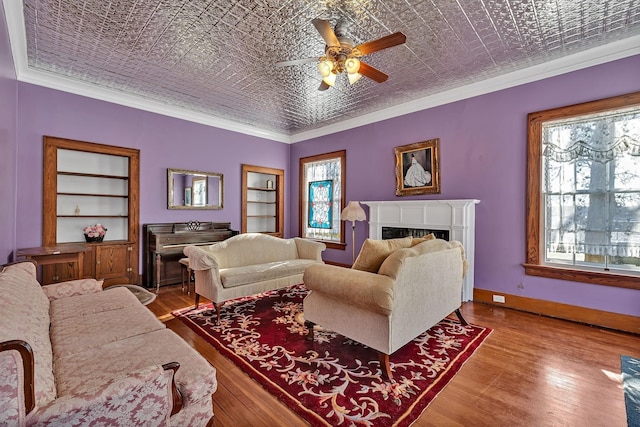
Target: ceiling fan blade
{"points": [[296, 62], [323, 86], [372, 73], [324, 28], [381, 43]]}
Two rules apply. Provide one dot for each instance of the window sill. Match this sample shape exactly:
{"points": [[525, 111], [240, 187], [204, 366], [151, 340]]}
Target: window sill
{"points": [[333, 245], [594, 278]]}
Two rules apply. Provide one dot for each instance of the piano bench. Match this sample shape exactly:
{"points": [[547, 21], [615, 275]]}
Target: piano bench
{"points": [[184, 264]]}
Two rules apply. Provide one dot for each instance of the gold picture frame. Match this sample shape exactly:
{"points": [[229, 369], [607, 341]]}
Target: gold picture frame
{"points": [[418, 168]]}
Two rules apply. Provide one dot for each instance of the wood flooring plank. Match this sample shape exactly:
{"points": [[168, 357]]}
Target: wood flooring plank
{"points": [[531, 371]]}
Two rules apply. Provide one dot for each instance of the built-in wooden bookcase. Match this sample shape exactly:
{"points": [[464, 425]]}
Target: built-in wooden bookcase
{"points": [[262, 200], [85, 184]]}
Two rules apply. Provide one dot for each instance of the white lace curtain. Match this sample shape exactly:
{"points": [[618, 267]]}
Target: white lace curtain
{"points": [[600, 215]]}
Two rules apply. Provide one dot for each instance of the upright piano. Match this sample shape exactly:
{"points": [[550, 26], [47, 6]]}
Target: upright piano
{"points": [[164, 242]]}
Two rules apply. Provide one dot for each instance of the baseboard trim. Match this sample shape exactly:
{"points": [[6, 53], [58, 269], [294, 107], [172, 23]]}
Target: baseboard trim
{"points": [[606, 319]]}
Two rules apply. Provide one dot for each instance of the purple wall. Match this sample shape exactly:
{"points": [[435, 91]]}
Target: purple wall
{"points": [[164, 142], [483, 156], [8, 103]]}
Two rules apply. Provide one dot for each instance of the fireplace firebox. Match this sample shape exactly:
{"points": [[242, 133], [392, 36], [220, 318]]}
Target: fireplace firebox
{"points": [[399, 232]]}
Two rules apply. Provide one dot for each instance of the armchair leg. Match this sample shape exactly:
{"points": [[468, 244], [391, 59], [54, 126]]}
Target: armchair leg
{"points": [[464, 322], [218, 306], [309, 326], [385, 366], [197, 300]]}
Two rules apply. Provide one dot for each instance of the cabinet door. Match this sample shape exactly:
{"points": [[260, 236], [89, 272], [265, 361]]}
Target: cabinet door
{"points": [[89, 264], [55, 273], [113, 264]]}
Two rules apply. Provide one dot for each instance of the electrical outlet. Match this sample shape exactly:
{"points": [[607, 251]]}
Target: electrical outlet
{"points": [[520, 285], [498, 298]]}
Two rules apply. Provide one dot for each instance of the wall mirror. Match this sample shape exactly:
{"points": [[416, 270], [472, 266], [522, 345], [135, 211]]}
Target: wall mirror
{"points": [[189, 189]]}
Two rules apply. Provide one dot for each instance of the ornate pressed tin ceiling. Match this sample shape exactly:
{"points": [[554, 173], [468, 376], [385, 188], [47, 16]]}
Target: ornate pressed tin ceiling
{"points": [[216, 58]]}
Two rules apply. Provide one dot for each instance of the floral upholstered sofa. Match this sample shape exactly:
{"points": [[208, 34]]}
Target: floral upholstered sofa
{"points": [[72, 354]]}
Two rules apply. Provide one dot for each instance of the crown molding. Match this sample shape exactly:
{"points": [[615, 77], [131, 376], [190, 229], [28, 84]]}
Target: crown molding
{"points": [[595, 56]]}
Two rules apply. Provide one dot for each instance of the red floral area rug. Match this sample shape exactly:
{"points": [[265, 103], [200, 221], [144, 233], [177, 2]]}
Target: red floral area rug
{"points": [[333, 381]]}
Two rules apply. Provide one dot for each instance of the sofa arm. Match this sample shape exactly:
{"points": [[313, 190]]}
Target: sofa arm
{"points": [[201, 259], [142, 397], [309, 249], [72, 288], [17, 397], [371, 291]]}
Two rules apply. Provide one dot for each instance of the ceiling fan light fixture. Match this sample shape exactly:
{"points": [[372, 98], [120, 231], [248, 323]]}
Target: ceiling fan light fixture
{"points": [[352, 65], [330, 79], [325, 67], [340, 54], [354, 77]]}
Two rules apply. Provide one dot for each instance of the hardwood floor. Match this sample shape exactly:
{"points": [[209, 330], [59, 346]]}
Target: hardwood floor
{"points": [[531, 371]]}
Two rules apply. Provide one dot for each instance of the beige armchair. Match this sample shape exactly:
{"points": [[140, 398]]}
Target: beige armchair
{"points": [[412, 291]]}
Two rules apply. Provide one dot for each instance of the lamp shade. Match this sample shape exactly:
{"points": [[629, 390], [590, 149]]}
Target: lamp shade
{"points": [[325, 67], [352, 65], [330, 79], [354, 77], [353, 212]]}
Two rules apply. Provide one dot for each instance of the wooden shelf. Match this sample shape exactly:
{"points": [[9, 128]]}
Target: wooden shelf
{"points": [[92, 175], [92, 216], [261, 189], [93, 195]]}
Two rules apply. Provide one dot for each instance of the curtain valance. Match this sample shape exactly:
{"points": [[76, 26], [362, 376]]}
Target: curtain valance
{"points": [[601, 138]]}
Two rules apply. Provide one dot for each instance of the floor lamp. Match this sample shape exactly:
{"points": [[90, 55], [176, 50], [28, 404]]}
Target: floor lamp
{"points": [[353, 212]]}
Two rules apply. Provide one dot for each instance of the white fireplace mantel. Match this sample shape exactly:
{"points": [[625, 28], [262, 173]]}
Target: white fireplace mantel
{"points": [[456, 216]]}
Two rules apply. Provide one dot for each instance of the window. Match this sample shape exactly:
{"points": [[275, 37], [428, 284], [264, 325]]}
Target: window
{"points": [[583, 213], [322, 185]]}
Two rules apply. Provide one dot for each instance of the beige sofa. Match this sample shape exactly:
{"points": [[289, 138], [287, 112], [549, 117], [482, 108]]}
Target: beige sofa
{"points": [[72, 354], [412, 290], [248, 264]]}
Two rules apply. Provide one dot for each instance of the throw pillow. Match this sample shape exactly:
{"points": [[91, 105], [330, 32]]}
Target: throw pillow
{"points": [[374, 252], [418, 240]]}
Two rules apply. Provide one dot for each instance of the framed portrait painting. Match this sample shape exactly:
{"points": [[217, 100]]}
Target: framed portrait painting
{"points": [[418, 168]]}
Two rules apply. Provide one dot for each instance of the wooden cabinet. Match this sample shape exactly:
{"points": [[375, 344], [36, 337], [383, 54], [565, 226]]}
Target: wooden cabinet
{"points": [[86, 184], [109, 261], [262, 200]]}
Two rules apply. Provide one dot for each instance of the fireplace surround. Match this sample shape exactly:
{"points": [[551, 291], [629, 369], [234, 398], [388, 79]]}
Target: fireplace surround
{"points": [[452, 218]]}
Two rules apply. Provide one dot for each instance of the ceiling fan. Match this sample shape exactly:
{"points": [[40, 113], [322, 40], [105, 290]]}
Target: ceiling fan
{"points": [[341, 55]]}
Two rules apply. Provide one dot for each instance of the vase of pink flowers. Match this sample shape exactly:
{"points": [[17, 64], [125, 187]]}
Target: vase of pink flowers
{"points": [[94, 233]]}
